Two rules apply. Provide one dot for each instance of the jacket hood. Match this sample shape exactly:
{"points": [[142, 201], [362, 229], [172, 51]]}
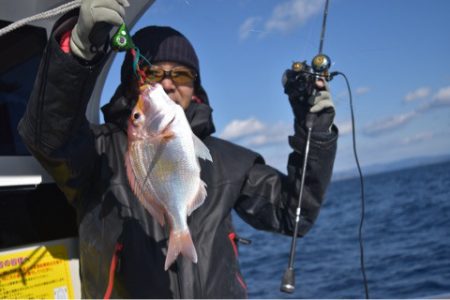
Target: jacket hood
{"points": [[118, 110]]}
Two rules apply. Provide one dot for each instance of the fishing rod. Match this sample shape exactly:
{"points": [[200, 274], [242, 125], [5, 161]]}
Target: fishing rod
{"points": [[299, 83]]}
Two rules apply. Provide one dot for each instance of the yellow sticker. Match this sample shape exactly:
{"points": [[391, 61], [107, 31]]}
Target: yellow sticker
{"points": [[42, 272]]}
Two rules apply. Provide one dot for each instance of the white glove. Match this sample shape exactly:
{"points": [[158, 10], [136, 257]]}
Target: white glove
{"points": [[321, 99], [92, 12]]}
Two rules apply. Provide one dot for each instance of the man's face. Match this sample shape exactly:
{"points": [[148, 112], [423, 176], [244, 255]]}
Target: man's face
{"points": [[176, 80]]}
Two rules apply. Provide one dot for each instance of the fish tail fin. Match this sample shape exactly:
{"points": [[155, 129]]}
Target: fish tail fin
{"points": [[180, 242]]}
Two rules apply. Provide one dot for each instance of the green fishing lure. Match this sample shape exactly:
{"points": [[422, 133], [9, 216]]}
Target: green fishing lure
{"points": [[121, 40]]}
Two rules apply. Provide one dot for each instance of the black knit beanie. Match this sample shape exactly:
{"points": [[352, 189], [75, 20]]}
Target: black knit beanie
{"points": [[158, 44]]}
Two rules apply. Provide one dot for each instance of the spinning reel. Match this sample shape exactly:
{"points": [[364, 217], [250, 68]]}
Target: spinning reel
{"points": [[299, 80]]}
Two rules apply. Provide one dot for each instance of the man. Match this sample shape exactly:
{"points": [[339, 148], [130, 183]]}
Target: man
{"points": [[122, 248]]}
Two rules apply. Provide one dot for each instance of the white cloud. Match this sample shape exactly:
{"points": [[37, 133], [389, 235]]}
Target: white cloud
{"points": [[248, 27], [255, 134], [285, 17], [239, 128], [344, 127], [292, 13], [443, 94], [440, 99], [269, 140], [342, 96], [419, 137], [362, 90], [390, 123], [264, 139], [420, 93], [273, 134]]}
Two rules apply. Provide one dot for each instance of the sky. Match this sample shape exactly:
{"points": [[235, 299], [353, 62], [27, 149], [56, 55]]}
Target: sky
{"points": [[394, 53]]}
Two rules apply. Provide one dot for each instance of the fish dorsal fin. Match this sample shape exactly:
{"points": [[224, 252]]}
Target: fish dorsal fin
{"points": [[198, 199], [201, 150]]}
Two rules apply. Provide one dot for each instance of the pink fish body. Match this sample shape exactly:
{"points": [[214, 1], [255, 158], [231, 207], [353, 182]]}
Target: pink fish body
{"points": [[162, 166]]}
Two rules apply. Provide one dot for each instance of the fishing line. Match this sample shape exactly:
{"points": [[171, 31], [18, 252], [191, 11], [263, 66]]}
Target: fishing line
{"points": [[41, 16], [121, 41], [361, 178]]}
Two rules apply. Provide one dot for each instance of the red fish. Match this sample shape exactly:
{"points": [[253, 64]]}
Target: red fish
{"points": [[162, 166]]}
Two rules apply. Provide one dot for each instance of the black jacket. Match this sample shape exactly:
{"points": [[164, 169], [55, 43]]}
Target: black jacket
{"points": [[116, 233]]}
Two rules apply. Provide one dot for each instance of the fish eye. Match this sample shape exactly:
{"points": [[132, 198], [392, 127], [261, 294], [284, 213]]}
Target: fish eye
{"points": [[136, 116]]}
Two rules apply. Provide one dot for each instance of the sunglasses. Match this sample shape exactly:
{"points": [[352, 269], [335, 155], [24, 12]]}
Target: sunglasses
{"points": [[179, 75]]}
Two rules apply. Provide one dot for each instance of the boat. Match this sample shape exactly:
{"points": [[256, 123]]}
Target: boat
{"points": [[38, 230]]}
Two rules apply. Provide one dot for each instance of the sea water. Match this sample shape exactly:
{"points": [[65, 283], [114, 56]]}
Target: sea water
{"points": [[406, 240]]}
